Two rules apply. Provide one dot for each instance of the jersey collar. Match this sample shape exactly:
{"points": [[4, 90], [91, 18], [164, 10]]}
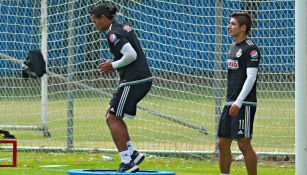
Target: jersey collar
{"points": [[241, 41], [110, 28]]}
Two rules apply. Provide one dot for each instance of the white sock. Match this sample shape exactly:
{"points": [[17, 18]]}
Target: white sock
{"points": [[224, 174], [125, 156], [130, 147]]}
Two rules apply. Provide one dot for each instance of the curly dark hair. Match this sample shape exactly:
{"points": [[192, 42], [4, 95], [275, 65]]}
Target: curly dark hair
{"points": [[104, 9]]}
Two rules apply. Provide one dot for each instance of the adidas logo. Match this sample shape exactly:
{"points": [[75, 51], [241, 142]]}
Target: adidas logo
{"points": [[112, 109], [240, 132]]}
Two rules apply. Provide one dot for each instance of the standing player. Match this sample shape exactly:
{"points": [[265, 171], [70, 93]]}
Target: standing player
{"points": [[236, 121], [135, 81]]}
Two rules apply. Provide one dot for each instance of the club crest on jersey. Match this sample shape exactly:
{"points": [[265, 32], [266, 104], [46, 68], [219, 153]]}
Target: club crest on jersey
{"points": [[127, 28], [239, 53], [254, 55], [232, 64], [113, 38]]}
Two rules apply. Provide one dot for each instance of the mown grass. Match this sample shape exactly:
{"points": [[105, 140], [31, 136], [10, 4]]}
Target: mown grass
{"points": [[273, 127], [32, 164], [273, 131]]}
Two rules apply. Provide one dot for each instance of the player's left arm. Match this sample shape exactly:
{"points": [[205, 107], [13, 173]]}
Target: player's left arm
{"points": [[251, 71], [129, 55]]}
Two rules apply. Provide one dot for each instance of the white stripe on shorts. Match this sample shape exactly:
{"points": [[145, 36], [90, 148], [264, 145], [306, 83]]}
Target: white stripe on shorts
{"points": [[247, 122], [122, 101]]}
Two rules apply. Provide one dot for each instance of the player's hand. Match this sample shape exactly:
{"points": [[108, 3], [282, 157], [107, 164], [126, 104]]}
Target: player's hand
{"points": [[105, 67], [234, 110]]}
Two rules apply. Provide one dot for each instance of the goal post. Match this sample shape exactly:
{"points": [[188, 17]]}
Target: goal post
{"points": [[300, 86], [44, 79]]}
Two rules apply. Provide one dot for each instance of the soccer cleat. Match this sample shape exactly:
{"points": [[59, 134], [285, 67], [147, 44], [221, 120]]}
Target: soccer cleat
{"points": [[137, 157], [128, 168]]}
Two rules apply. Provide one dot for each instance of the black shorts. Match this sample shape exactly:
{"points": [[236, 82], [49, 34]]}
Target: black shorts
{"points": [[124, 101], [239, 126]]}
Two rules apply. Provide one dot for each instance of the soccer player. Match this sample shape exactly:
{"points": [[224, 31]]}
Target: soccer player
{"points": [[135, 80], [236, 120]]}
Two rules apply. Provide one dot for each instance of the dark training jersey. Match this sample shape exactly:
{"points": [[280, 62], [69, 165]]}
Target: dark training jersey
{"points": [[117, 36], [241, 56]]}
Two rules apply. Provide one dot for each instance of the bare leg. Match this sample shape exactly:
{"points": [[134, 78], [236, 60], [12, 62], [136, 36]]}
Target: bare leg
{"points": [[119, 131], [250, 157], [225, 157], [127, 136]]}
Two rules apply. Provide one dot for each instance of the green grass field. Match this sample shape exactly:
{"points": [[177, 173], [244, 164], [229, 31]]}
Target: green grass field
{"points": [[32, 164], [273, 131], [273, 127]]}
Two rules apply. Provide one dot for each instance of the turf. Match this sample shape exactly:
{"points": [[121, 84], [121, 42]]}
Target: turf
{"points": [[273, 131], [31, 164]]}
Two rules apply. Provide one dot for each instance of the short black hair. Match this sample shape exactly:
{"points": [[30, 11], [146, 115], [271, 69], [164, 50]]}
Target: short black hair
{"points": [[104, 9], [243, 18]]}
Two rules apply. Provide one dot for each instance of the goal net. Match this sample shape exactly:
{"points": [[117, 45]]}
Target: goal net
{"points": [[186, 45]]}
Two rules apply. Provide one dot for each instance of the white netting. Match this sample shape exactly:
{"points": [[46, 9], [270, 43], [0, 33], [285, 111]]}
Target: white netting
{"points": [[186, 44]]}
